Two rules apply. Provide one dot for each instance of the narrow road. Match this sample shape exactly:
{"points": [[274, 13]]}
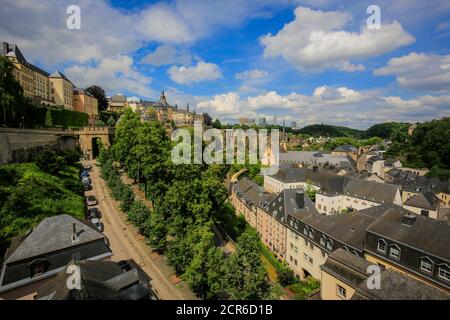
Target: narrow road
{"points": [[126, 243]]}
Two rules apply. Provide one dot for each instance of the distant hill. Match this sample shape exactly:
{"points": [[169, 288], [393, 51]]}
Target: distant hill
{"points": [[317, 130], [382, 130], [385, 130]]}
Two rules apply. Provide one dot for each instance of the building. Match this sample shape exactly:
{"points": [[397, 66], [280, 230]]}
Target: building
{"points": [[246, 196], [312, 237], [117, 103], [272, 218], [100, 280], [34, 81], [346, 150], [31, 260], [307, 159], [83, 101], [262, 122], [344, 277], [342, 194], [411, 244], [335, 193], [424, 203], [61, 90]]}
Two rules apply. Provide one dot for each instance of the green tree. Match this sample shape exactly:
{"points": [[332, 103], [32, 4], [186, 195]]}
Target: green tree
{"points": [[217, 124], [245, 277], [48, 119], [11, 93], [98, 93], [111, 121]]}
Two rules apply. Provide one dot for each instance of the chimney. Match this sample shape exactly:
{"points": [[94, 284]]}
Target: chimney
{"points": [[5, 48], [300, 198], [74, 236], [408, 219]]}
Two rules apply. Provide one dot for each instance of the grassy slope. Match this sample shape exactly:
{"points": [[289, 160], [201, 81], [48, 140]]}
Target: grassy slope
{"points": [[28, 195]]}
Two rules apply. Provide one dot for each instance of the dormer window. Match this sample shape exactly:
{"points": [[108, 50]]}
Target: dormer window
{"points": [[330, 245], [394, 252], [444, 272], [426, 265], [305, 231], [37, 267], [311, 233], [381, 247], [323, 241]]}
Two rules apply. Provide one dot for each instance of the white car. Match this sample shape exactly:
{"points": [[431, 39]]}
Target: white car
{"points": [[98, 224], [86, 180], [88, 166]]}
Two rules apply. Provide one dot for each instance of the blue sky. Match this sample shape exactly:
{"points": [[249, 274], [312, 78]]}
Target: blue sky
{"points": [[304, 61]]}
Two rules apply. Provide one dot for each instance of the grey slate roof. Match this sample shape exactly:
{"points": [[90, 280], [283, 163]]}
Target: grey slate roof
{"points": [[252, 193], [348, 228], [333, 184], [52, 234], [100, 280], [394, 285], [346, 148], [315, 158], [426, 234], [425, 200], [285, 204]]}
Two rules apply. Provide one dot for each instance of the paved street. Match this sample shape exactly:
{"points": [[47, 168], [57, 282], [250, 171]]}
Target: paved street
{"points": [[126, 243]]}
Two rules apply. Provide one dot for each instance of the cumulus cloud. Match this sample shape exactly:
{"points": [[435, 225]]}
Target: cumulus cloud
{"points": [[316, 40], [419, 71], [166, 54], [201, 72], [113, 74], [253, 74], [349, 107]]}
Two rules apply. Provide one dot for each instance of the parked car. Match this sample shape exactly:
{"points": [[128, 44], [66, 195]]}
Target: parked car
{"points": [[88, 166], [84, 173], [86, 180], [98, 224], [94, 213], [91, 201], [86, 186]]}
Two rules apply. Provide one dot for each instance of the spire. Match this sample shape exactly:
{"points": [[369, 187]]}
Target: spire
{"points": [[162, 99], [187, 107]]}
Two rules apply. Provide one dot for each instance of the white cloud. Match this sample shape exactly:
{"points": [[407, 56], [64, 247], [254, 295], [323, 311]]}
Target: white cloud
{"points": [[253, 74], [316, 40], [201, 72], [341, 106], [166, 54], [419, 71], [113, 75]]}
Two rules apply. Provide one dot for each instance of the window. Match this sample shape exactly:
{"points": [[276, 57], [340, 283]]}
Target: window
{"points": [[426, 265], [394, 252], [425, 213], [341, 292], [322, 241], [305, 231], [324, 254], [330, 245], [37, 267], [311, 233], [444, 273], [381, 246]]}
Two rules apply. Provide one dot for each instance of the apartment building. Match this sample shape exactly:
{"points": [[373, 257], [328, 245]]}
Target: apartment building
{"points": [[83, 101], [272, 218], [412, 244], [351, 194], [335, 193], [246, 196], [308, 159], [312, 237], [344, 277]]}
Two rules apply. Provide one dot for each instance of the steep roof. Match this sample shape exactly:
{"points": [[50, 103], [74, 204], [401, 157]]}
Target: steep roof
{"points": [[100, 280], [346, 148], [348, 228], [425, 200], [426, 234], [394, 285], [52, 234], [252, 193], [370, 190], [285, 203]]}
